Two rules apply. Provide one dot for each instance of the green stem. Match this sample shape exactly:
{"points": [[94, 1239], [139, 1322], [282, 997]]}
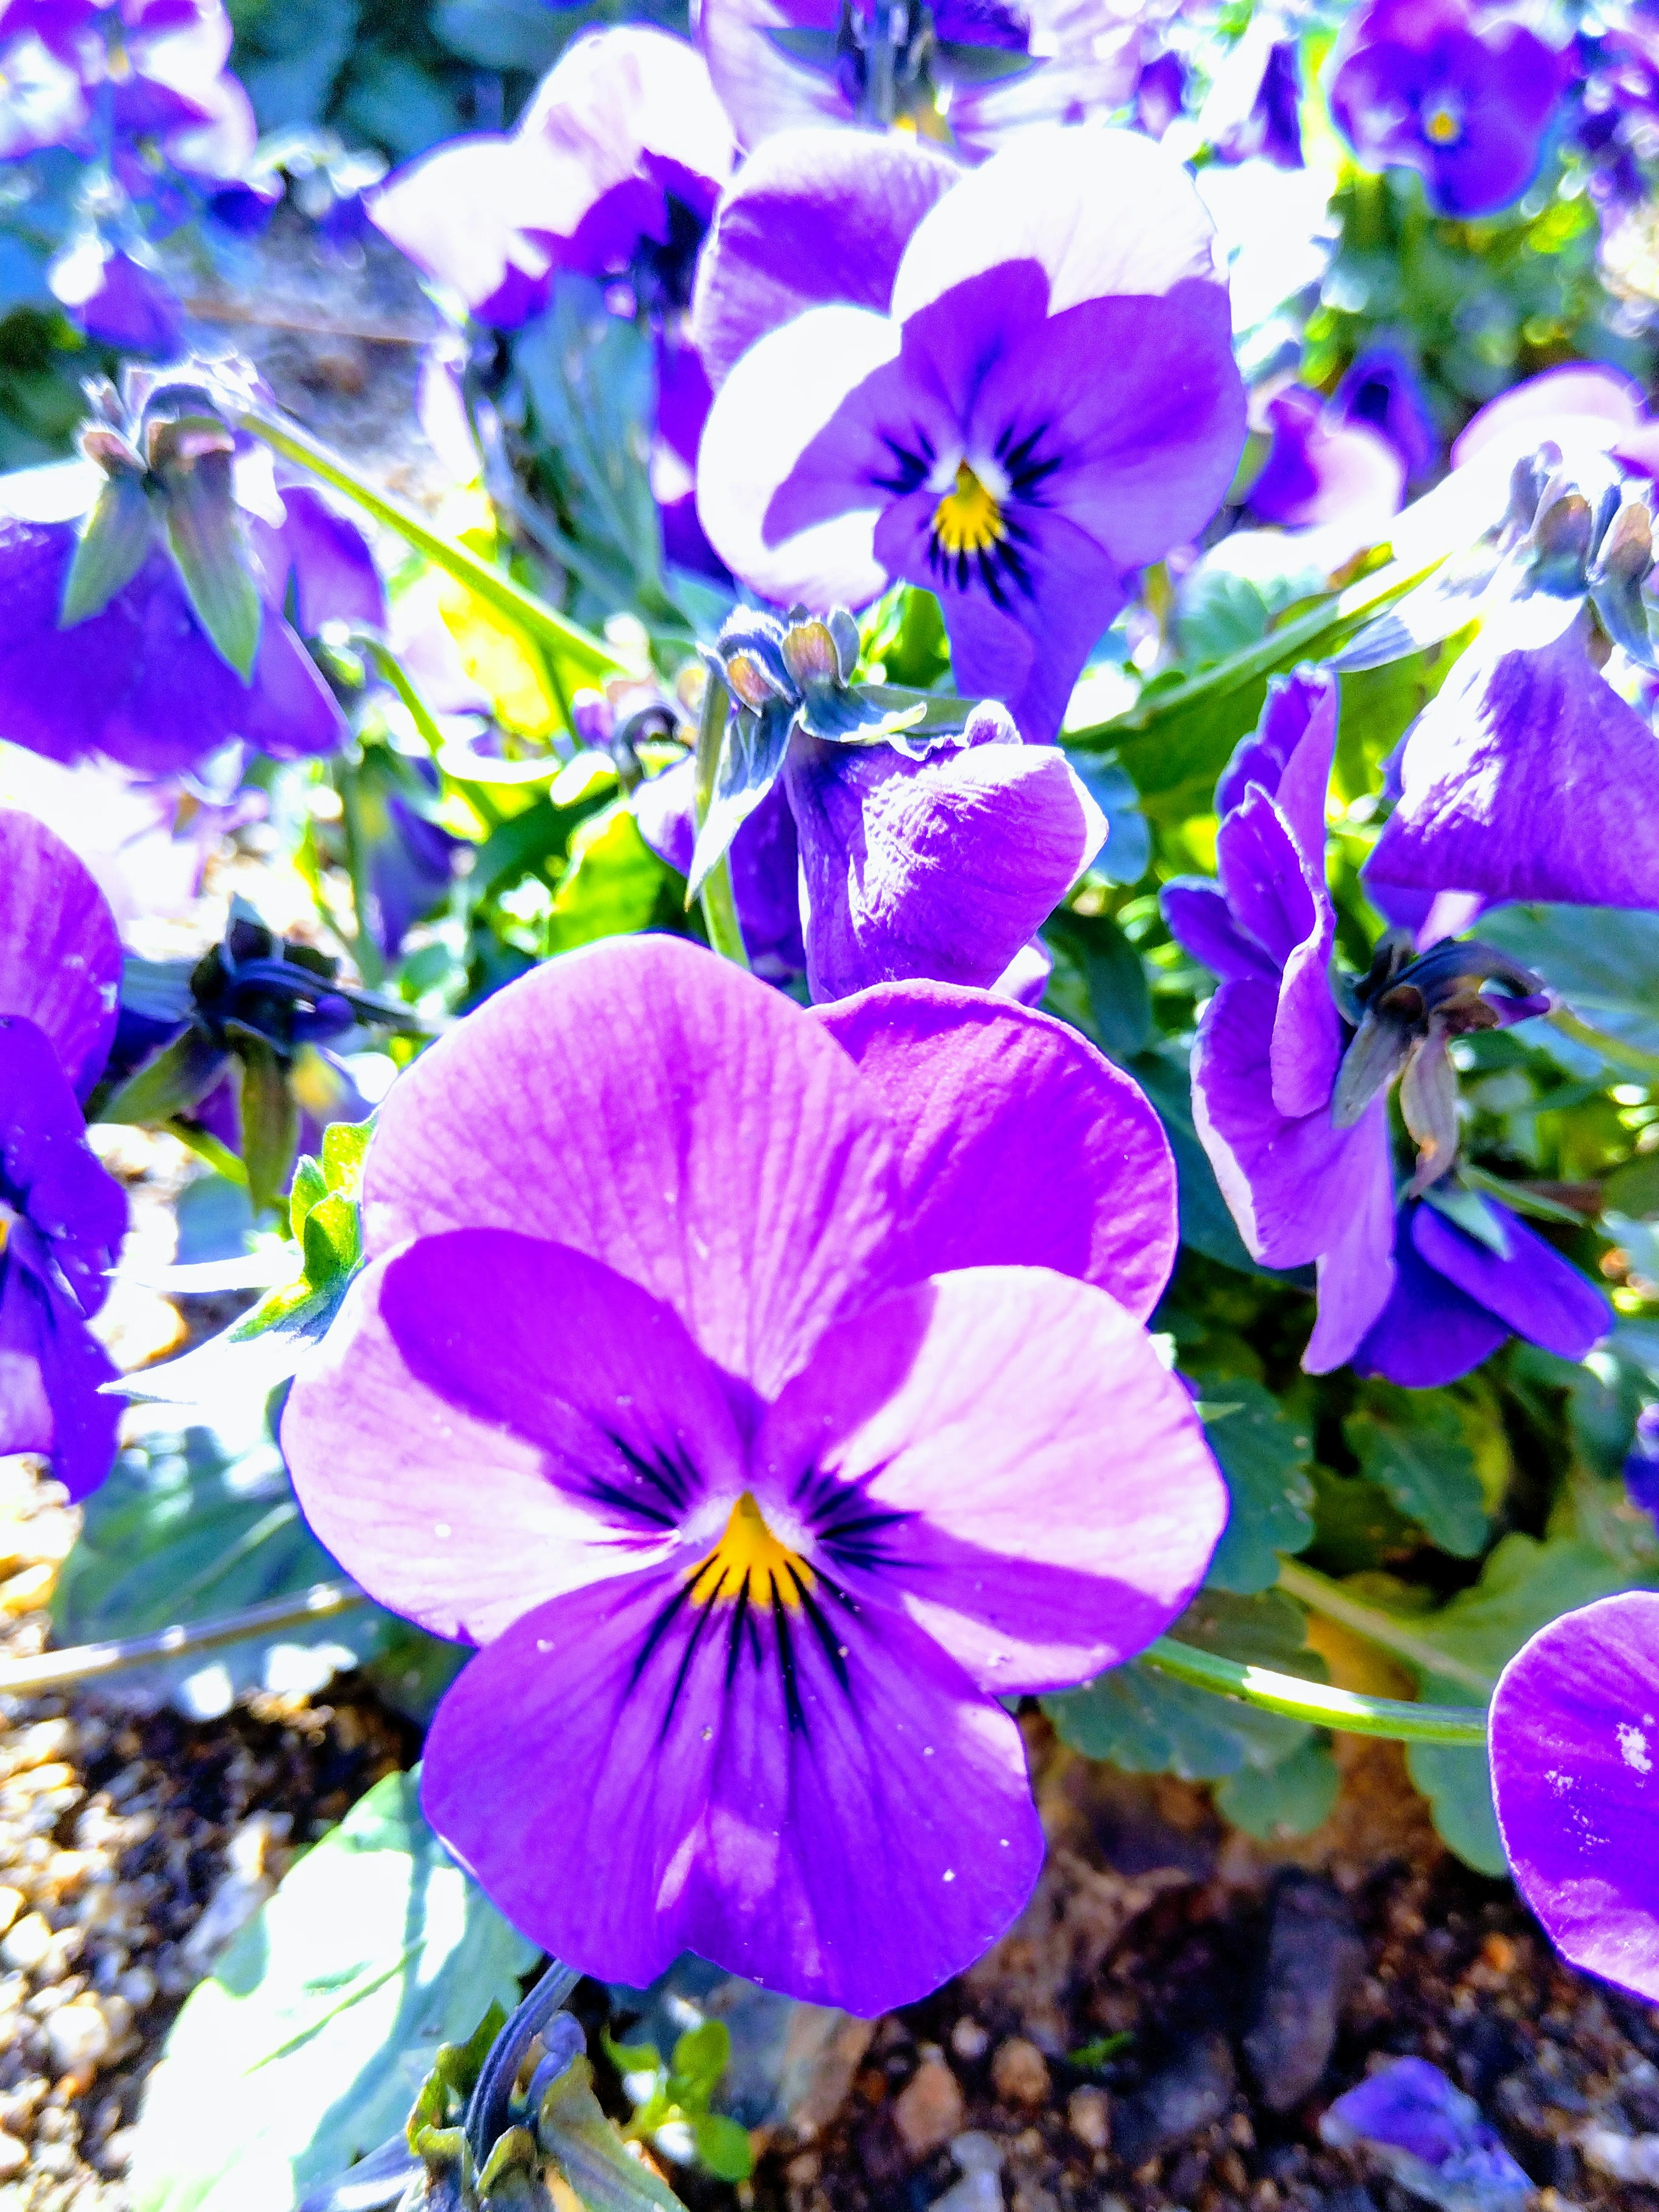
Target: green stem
{"points": [[578, 647], [83, 1662], [364, 949], [1610, 1047], [718, 902], [1325, 1707], [219, 1158], [1386, 1630], [388, 663]]}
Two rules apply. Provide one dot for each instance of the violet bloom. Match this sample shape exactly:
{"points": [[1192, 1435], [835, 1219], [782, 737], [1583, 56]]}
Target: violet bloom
{"points": [[969, 73], [1574, 1746], [144, 603], [963, 440], [1433, 2140], [614, 168], [1381, 391], [1253, 108], [118, 298], [1290, 1097], [62, 1217], [1322, 471], [1463, 94], [765, 1391]]}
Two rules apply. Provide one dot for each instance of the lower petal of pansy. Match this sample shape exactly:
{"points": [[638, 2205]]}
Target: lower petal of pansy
{"points": [[1534, 1292], [49, 1172], [1430, 1332], [51, 1371], [833, 1809], [60, 956], [1019, 1144], [940, 868], [1575, 1744], [1001, 1451], [1356, 1271]]}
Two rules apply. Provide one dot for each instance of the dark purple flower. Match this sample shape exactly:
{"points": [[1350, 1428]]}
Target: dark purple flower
{"points": [[1575, 1744], [967, 73], [1320, 469], [1382, 392], [1642, 1468], [765, 1391], [962, 441], [62, 1217], [1462, 93], [118, 298], [1290, 1091], [1432, 2139], [1160, 92], [614, 168]]}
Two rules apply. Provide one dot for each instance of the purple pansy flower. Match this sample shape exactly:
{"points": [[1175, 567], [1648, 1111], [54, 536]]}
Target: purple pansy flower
{"points": [[1382, 390], [43, 101], [61, 1216], [1432, 2139], [1574, 1749], [119, 298], [1322, 471], [962, 441], [1290, 1098], [967, 72], [1253, 108], [765, 1391], [614, 168], [1464, 94]]}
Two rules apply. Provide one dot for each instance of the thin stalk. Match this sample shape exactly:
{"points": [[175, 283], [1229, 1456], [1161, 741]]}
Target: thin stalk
{"points": [[206, 1146], [1398, 1720], [1385, 1630], [364, 951], [718, 902], [490, 2103], [86, 1662], [1611, 1047], [579, 647]]}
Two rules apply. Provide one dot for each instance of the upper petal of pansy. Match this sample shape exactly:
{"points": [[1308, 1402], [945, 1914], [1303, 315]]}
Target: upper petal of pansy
{"points": [[629, 99], [1002, 1450], [834, 1812], [1534, 1292], [60, 956], [1289, 753], [1525, 777], [1574, 1726], [462, 212], [1103, 212], [493, 1420], [940, 868], [1087, 64], [1019, 1144], [813, 217], [763, 89], [1203, 923], [663, 1112]]}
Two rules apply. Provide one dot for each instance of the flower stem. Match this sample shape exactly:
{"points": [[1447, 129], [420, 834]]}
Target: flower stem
{"points": [[567, 640], [206, 1146], [488, 2107], [1611, 1047], [81, 1663], [719, 905], [364, 951], [1317, 1702], [1385, 1630]]}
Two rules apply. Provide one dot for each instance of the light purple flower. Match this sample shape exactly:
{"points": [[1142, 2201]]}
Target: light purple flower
{"points": [[1433, 2140], [1290, 1098], [963, 440], [1322, 470], [1464, 94], [614, 168], [62, 1217], [969, 73], [42, 99], [1253, 107], [765, 1391], [1382, 390], [1575, 1746]]}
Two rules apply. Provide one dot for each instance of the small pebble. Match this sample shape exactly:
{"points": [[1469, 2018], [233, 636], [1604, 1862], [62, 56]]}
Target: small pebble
{"points": [[14, 2156], [969, 2039], [929, 2109], [11, 1904], [27, 1943], [1019, 2073], [77, 2037], [1089, 2114]]}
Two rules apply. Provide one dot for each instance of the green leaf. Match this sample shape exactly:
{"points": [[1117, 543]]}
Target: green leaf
{"points": [[1291, 1799], [270, 1120], [612, 885], [113, 548], [1118, 1001], [307, 2047], [309, 1185], [1523, 1585], [700, 2057], [332, 1239], [1410, 1444], [1633, 1187], [1604, 961], [248, 1359], [723, 2147], [588, 2151], [179, 1077], [1458, 1786], [345, 1147], [204, 530], [1206, 1222], [1265, 1457]]}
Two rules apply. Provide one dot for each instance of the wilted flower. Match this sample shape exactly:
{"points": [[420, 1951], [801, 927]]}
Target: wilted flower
{"points": [[1432, 2139], [764, 1389], [963, 440], [1462, 93], [1290, 1088], [62, 1217], [1574, 1746]]}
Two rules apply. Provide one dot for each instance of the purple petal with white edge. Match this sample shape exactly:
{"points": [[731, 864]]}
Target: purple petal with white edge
{"points": [[1090, 62], [1019, 1145], [1201, 923], [51, 1369], [813, 217], [1289, 754], [1430, 1332], [1525, 778], [1535, 1292], [463, 213], [761, 88], [780, 1758], [805, 408], [1002, 1449], [587, 1423], [60, 954], [1103, 212], [938, 869], [1575, 1740], [666, 1113], [1563, 404], [49, 1172], [629, 101], [326, 558]]}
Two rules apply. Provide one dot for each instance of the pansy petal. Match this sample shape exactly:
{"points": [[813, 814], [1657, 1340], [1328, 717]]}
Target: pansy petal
{"points": [[1534, 1292], [1201, 923], [463, 213], [1430, 1332], [51, 1371], [1575, 1740], [1355, 1274], [778, 1759], [940, 868], [667, 1114], [913, 1443], [1289, 754], [813, 217], [60, 956], [763, 89], [49, 1168], [325, 558], [1019, 1144], [587, 1422]]}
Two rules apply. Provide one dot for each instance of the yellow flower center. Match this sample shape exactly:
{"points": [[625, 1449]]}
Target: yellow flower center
{"points": [[968, 518], [749, 1558], [1441, 125]]}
